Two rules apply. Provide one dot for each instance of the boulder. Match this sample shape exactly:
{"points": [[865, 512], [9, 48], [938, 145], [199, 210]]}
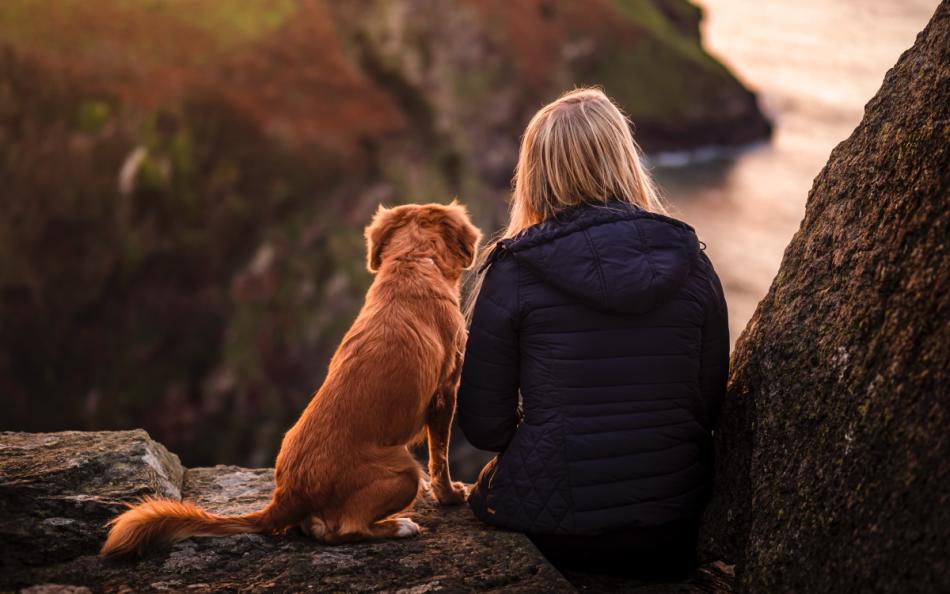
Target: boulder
{"points": [[833, 449], [57, 490]]}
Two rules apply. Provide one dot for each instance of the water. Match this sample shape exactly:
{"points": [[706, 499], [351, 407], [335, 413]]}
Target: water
{"points": [[815, 64]]}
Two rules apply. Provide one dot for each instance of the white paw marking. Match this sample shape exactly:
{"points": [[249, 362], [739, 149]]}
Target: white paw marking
{"points": [[317, 528], [406, 528]]}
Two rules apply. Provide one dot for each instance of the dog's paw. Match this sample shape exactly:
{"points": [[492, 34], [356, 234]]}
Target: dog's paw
{"points": [[406, 528], [452, 494], [315, 527]]}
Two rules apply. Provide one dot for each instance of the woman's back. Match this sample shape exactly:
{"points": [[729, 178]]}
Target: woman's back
{"points": [[611, 323]]}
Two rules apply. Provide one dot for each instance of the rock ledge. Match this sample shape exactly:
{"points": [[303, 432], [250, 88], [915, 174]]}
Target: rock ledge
{"points": [[58, 489]]}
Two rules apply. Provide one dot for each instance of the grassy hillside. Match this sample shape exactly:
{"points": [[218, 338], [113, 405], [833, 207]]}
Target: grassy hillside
{"points": [[184, 182]]}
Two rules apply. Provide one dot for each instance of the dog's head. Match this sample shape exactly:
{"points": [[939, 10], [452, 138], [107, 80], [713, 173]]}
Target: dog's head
{"points": [[443, 232]]}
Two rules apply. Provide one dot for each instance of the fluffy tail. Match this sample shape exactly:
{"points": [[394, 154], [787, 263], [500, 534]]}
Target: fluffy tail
{"points": [[163, 521]]}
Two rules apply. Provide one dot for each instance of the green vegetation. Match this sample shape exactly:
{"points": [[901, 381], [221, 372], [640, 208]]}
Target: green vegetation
{"points": [[660, 77], [186, 182], [67, 25], [116, 308], [230, 22], [92, 115]]}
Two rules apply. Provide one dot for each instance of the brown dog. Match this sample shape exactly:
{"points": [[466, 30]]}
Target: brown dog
{"points": [[344, 469]]}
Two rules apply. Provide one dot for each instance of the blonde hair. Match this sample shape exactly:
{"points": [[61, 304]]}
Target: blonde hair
{"points": [[578, 149]]}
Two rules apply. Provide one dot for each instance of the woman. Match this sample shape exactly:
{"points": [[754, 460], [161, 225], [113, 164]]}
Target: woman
{"points": [[606, 320]]}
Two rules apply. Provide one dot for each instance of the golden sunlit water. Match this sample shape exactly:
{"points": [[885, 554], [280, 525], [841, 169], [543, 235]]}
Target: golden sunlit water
{"points": [[815, 63]]}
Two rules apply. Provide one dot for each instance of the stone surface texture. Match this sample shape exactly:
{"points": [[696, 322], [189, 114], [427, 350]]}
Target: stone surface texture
{"points": [[57, 490], [834, 452]]}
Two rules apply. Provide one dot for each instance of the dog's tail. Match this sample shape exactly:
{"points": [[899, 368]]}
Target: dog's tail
{"points": [[165, 521]]}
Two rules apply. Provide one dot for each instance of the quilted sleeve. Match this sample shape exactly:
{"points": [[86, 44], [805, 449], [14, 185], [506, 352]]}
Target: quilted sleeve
{"points": [[488, 394], [714, 364]]}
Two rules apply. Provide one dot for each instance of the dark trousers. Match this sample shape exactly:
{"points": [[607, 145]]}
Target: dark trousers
{"points": [[660, 552]]}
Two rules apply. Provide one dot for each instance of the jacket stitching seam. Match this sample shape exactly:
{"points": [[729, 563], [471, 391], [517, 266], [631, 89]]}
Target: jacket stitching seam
{"points": [[628, 429], [600, 270], [624, 455], [680, 470], [633, 356], [628, 385], [614, 329], [575, 226], [669, 302], [643, 501], [647, 255]]}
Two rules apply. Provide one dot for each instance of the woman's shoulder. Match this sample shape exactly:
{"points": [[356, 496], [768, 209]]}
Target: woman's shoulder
{"points": [[499, 282], [708, 286], [592, 218]]}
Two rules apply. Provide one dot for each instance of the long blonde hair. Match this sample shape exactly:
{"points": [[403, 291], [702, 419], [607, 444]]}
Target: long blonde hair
{"points": [[578, 149]]}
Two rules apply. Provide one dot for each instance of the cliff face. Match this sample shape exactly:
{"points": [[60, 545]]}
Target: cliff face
{"points": [[476, 70], [184, 190], [834, 463]]}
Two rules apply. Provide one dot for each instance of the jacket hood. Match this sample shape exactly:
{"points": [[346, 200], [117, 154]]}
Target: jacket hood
{"points": [[614, 257]]}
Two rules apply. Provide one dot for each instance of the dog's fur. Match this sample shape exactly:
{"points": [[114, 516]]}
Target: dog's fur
{"points": [[344, 469]]}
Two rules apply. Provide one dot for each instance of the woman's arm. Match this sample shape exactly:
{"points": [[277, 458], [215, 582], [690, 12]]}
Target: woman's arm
{"points": [[714, 363], [488, 394]]}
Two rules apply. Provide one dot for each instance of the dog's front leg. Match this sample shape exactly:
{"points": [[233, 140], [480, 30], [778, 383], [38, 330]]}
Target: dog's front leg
{"points": [[439, 426]]}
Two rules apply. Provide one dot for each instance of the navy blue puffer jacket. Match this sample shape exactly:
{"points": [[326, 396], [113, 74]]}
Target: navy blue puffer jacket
{"points": [[610, 324]]}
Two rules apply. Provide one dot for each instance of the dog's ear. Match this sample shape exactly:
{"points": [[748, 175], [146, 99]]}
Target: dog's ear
{"points": [[465, 235], [378, 232]]}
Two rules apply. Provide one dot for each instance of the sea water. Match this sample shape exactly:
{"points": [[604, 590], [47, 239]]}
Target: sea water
{"points": [[815, 64]]}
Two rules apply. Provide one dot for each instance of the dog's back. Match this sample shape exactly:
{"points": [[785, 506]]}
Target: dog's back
{"points": [[344, 470], [380, 379]]}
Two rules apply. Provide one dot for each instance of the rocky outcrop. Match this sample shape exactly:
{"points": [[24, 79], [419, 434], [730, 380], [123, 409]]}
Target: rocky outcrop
{"points": [[834, 461], [474, 71], [58, 489]]}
